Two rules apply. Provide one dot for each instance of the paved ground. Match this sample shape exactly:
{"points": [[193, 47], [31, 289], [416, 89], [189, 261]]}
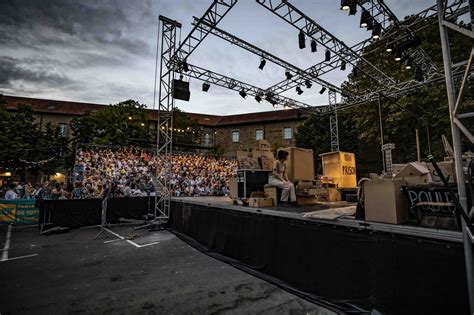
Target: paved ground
{"points": [[156, 273]]}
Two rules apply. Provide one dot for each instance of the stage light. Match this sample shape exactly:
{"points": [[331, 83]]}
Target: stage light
{"points": [[286, 107], [327, 56], [262, 64], [353, 7], [322, 90], [355, 71], [398, 55], [418, 74], [389, 47], [308, 84], [343, 65], [275, 105], [299, 90], [258, 98], [242, 93], [313, 46], [185, 66], [365, 18], [205, 86], [345, 4], [408, 63], [129, 117], [288, 75], [301, 40], [376, 31], [143, 125]]}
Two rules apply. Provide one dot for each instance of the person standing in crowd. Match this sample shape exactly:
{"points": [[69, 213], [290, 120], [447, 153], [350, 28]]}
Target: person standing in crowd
{"points": [[57, 192], [278, 178], [11, 194]]}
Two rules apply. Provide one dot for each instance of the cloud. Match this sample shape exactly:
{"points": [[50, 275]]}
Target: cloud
{"points": [[12, 69]]}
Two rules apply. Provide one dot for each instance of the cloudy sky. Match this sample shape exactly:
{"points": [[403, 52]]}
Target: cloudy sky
{"points": [[103, 51]]}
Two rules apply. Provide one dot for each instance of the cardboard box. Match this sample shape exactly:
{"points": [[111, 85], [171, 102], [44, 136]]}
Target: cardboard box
{"points": [[328, 194], [271, 192], [384, 202], [414, 173], [267, 163], [264, 145], [233, 188], [260, 202], [306, 200], [341, 168], [447, 168], [300, 164]]}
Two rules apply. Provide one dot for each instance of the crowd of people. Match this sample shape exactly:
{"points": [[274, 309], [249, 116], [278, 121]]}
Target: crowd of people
{"points": [[100, 172]]}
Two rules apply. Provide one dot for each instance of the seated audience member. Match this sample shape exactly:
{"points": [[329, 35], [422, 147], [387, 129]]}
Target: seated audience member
{"points": [[11, 194], [57, 192]]}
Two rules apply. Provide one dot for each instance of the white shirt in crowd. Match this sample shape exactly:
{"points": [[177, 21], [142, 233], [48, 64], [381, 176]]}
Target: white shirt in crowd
{"points": [[10, 194]]}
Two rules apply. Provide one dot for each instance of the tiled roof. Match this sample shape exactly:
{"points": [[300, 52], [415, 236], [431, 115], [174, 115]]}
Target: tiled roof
{"points": [[77, 109]]}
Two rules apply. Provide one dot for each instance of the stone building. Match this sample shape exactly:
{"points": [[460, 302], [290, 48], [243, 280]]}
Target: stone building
{"points": [[231, 132]]}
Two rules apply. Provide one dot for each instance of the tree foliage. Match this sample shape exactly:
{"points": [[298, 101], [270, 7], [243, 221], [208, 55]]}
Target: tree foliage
{"points": [[425, 109]]}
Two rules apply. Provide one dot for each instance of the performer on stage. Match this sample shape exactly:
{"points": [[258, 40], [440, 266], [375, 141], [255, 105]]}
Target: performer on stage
{"points": [[279, 179]]}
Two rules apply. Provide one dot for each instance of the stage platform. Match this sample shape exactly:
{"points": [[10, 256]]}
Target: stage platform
{"points": [[333, 213]]}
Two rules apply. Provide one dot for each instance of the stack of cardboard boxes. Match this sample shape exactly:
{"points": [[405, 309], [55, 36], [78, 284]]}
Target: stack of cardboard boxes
{"points": [[264, 155]]}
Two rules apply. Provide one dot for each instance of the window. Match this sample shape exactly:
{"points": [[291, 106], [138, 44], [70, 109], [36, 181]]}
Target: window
{"points": [[258, 134], [235, 136], [287, 133], [62, 129], [207, 139]]}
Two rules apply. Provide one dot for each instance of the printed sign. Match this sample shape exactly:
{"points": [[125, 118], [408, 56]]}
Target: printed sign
{"points": [[19, 211]]}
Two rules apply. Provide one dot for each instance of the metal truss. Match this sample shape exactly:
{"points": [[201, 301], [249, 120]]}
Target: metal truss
{"points": [[414, 23], [211, 77], [457, 129], [302, 74], [338, 48], [212, 16], [333, 125], [164, 131], [389, 22]]}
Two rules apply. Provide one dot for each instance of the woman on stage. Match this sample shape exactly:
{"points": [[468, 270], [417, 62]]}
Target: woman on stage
{"points": [[279, 179]]}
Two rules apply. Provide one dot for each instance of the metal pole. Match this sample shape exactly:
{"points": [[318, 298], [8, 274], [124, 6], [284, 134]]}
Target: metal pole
{"points": [[381, 132], [457, 152], [418, 152]]}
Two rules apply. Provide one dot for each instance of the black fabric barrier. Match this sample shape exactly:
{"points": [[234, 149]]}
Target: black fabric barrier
{"points": [[394, 274], [84, 212]]}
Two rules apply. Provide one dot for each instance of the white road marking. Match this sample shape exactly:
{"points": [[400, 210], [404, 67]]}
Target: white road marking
{"points": [[129, 241], [19, 257], [7, 243]]}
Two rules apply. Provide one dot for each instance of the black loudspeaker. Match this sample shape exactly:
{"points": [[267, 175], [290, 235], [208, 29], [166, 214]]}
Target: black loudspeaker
{"points": [[181, 90]]}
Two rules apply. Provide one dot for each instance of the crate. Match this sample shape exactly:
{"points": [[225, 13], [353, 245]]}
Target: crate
{"points": [[340, 167], [300, 164]]}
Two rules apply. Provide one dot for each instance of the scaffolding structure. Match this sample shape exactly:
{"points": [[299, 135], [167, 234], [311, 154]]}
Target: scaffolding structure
{"points": [[174, 59]]}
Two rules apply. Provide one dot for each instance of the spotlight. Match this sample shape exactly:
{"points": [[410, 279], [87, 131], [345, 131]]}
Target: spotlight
{"points": [[288, 75], [308, 84], [323, 89], [262, 64], [354, 71], [345, 4], [313, 46], [418, 74], [365, 18], [398, 55], [205, 86], [353, 7], [389, 47], [343, 65], [258, 98], [275, 105], [408, 63], [327, 55], [185, 66], [299, 90], [376, 31], [242, 93], [301, 40]]}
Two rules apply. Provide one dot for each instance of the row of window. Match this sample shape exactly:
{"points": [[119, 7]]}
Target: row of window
{"points": [[287, 134]]}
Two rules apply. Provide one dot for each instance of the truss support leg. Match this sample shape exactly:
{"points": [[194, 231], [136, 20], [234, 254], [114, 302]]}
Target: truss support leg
{"points": [[457, 151], [333, 125]]}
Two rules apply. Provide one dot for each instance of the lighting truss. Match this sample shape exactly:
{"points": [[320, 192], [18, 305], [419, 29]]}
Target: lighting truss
{"points": [[300, 21], [333, 125]]}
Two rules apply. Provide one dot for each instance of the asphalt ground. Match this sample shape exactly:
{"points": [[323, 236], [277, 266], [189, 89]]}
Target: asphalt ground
{"points": [[155, 273]]}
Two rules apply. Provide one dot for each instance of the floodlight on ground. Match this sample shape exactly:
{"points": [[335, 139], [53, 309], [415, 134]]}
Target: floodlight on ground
{"points": [[301, 40], [262, 64], [299, 90], [205, 86], [243, 93], [323, 89], [365, 19], [314, 46]]}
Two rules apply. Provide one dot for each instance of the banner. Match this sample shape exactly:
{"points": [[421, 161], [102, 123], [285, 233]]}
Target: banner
{"points": [[18, 211]]}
